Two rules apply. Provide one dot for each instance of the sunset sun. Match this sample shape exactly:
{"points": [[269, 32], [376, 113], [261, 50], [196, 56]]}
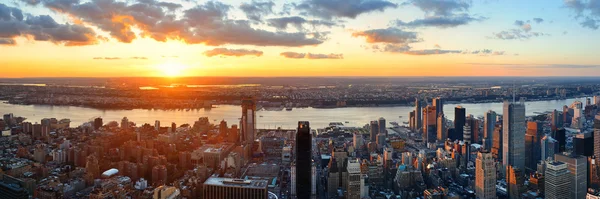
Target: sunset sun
{"points": [[171, 69]]}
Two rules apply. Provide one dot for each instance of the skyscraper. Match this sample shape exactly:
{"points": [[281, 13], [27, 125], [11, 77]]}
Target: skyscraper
{"points": [[418, 112], [429, 124], [514, 178], [467, 141], [489, 123], [583, 144], [157, 125], [248, 121], [549, 147], [333, 179], [561, 137], [556, 121], [460, 115], [441, 128], [439, 106], [514, 132], [473, 123], [353, 189], [497, 142], [533, 138], [557, 180], [485, 175], [577, 166], [381, 124], [303, 160], [597, 136], [374, 130]]}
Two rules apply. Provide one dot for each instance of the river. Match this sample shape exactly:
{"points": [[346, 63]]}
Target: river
{"points": [[355, 116]]}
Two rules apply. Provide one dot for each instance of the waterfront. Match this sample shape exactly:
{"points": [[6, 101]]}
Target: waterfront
{"points": [[356, 116]]}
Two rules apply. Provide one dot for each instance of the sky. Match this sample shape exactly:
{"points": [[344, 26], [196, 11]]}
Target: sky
{"points": [[261, 38]]}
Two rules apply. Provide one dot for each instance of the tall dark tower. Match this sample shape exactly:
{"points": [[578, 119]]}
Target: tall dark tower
{"points": [[248, 121], [460, 115], [303, 160], [418, 111]]}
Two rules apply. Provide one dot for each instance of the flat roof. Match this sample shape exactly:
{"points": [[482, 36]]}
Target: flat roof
{"points": [[241, 183]]}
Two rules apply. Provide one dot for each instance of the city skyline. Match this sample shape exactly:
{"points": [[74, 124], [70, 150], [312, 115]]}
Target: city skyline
{"points": [[268, 38]]}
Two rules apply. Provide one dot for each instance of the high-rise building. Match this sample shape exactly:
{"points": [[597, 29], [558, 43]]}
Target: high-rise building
{"points": [[248, 121], [303, 160], [333, 179], [441, 128], [439, 106], [374, 130], [229, 188], [157, 125], [357, 140], [125, 123], [460, 115], [382, 126], [429, 124], [515, 180], [411, 121], [485, 175], [561, 137], [98, 123], [354, 181], [497, 142], [418, 112], [223, 128], [557, 181], [577, 166], [473, 123], [514, 132], [380, 141], [597, 136], [489, 123], [596, 100], [533, 138], [549, 147], [173, 127], [583, 144], [556, 121], [467, 141], [159, 175]]}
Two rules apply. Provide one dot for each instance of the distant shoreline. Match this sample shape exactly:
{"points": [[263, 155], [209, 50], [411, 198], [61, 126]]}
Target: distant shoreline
{"points": [[284, 108]]}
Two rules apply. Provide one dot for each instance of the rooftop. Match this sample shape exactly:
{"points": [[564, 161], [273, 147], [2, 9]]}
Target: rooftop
{"points": [[241, 183]]}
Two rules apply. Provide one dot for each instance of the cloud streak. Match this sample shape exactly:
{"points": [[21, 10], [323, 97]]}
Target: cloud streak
{"points": [[232, 52], [295, 55]]}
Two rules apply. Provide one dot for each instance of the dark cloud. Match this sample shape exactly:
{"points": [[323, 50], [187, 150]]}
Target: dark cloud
{"points": [[389, 35], [538, 20], [587, 11], [232, 52], [256, 9], [440, 21], [295, 55], [441, 7], [519, 23], [299, 23], [329, 9], [441, 13], [206, 23], [106, 58], [7, 41], [42, 28]]}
